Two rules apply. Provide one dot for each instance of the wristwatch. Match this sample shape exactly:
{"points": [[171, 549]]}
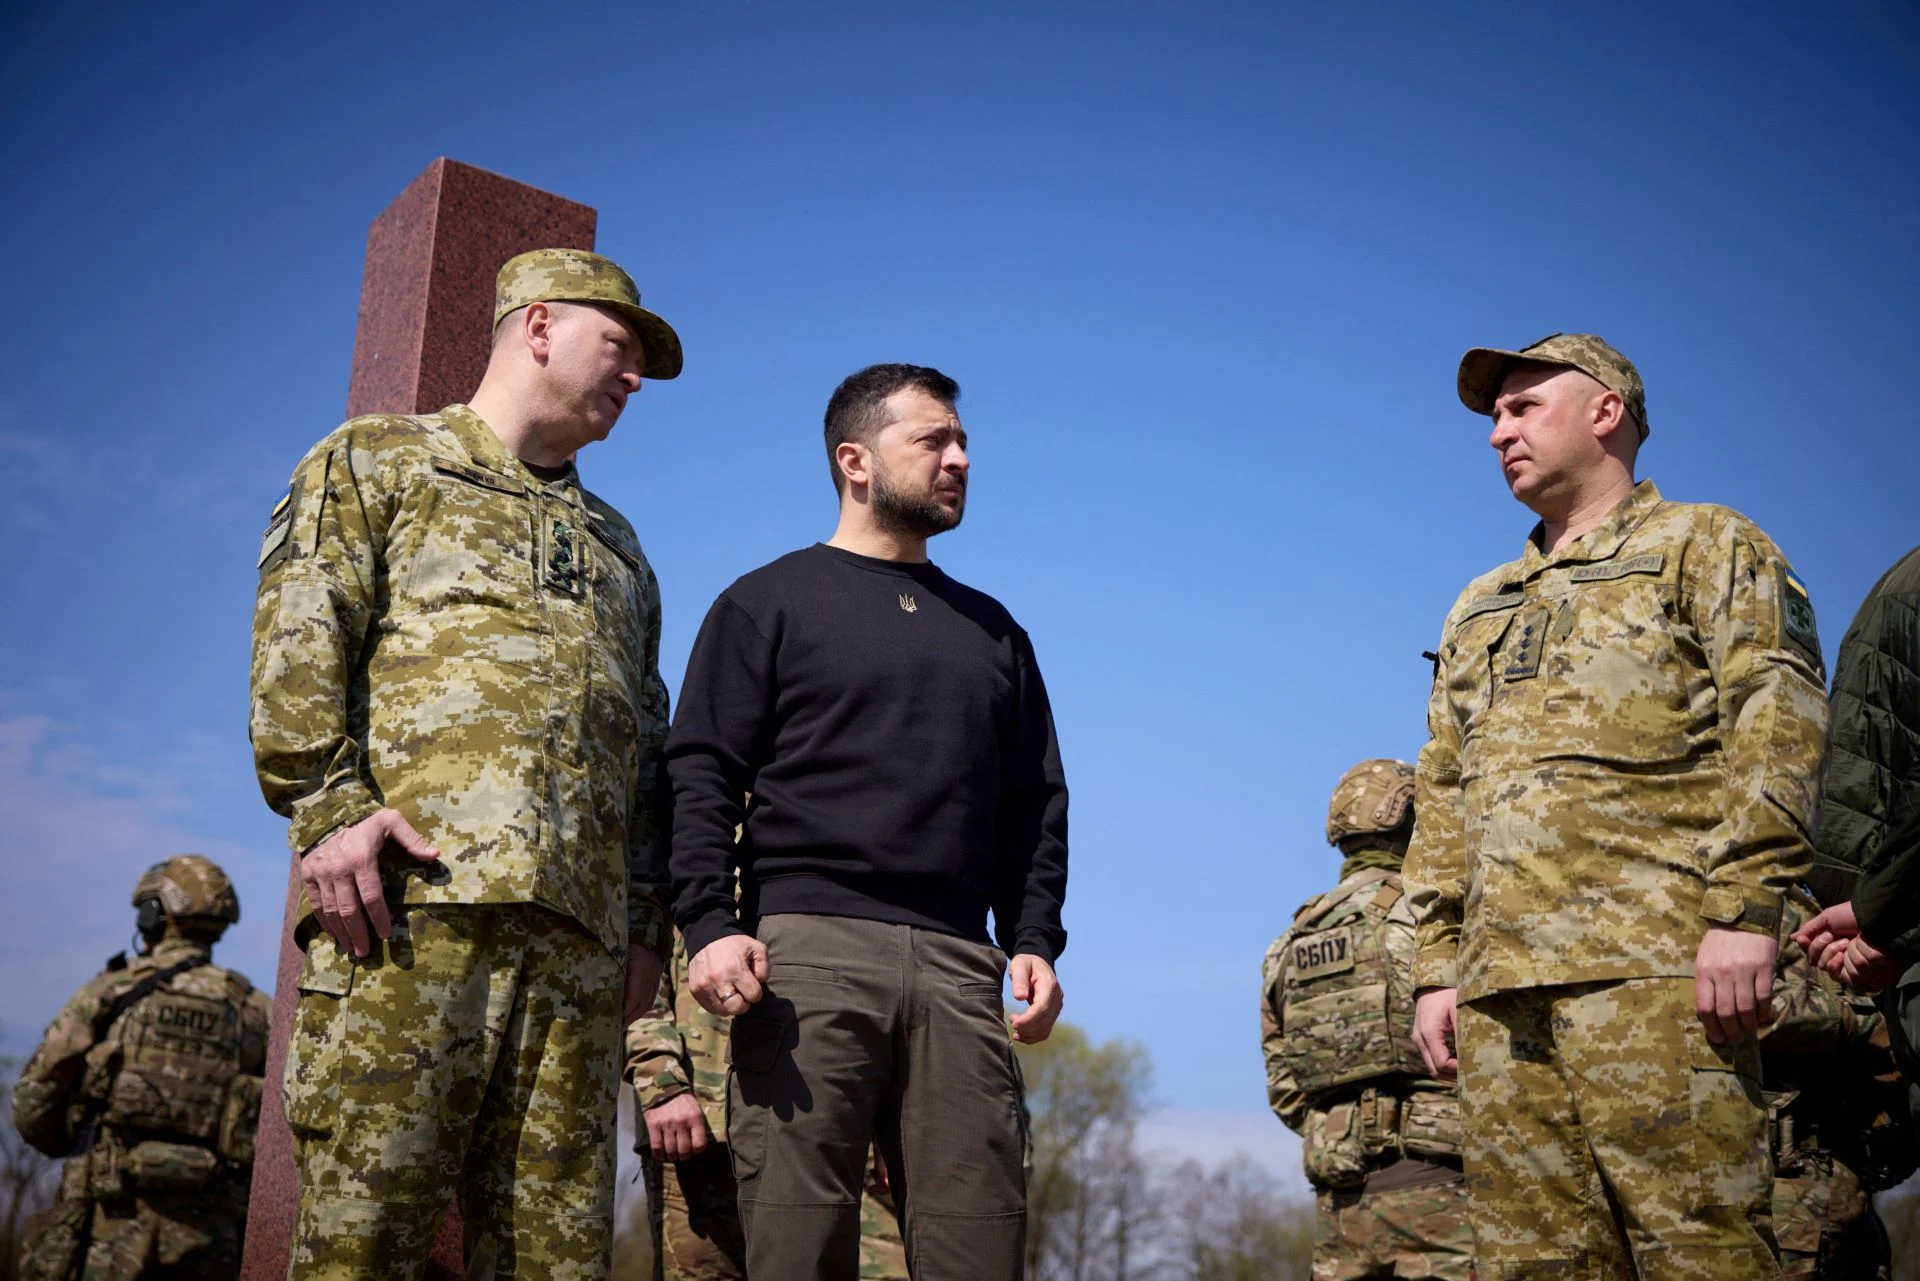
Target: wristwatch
{"points": [[1738, 910]]}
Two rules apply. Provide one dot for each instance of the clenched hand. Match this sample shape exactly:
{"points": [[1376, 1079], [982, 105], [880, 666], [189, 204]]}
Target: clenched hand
{"points": [[726, 975]]}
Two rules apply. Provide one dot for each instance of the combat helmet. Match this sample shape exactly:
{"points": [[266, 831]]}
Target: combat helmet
{"points": [[188, 885], [1373, 796]]}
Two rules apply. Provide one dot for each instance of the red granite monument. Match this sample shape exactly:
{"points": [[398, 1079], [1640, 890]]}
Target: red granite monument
{"points": [[426, 318]]}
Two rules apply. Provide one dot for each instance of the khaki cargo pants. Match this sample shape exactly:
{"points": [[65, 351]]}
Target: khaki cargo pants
{"points": [[477, 1051], [1606, 1137], [872, 1032]]}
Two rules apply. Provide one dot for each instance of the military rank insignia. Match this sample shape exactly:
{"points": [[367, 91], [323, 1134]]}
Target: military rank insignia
{"points": [[563, 559], [1525, 641]]}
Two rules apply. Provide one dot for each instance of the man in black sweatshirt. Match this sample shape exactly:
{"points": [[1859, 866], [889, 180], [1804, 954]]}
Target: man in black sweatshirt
{"points": [[892, 730]]}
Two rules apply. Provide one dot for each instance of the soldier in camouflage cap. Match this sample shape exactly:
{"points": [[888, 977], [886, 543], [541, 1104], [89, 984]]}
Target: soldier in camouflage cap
{"points": [[1484, 369], [1625, 730], [457, 703], [1381, 1137], [148, 1082], [574, 275], [677, 1062]]}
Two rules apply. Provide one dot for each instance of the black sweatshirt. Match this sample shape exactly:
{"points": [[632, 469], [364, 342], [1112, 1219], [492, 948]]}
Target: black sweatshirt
{"points": [[893, 730]]}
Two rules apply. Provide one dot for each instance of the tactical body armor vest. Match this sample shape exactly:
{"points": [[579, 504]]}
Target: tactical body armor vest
{"points": [[165, 1087], [1346, 1011]]}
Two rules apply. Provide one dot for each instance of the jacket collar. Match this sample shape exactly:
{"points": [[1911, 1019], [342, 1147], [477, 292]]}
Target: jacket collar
{"points": [[1599, 543], [486, 450]]}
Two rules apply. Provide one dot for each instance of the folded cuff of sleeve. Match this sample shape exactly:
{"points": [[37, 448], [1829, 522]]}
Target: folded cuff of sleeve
{"points": [[1435, 968], [651, 1094], [648, 926], [323, 813], [1740, 907]]}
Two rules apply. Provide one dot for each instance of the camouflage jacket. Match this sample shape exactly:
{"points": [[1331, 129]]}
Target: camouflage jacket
{"points": [[679, 1047], [1366, 1044], [442, 632], [1624, 738], [52, 1103]]}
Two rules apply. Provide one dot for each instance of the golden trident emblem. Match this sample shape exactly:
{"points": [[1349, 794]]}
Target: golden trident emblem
{"points": [[907, 603]]}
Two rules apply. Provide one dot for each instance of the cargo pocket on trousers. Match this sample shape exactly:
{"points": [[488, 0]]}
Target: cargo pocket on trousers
{"points": [[753, 1051], [311, 1087], [1732, 1166]]}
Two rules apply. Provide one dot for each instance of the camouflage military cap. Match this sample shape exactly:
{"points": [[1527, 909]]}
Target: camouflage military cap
{"points": [[189, 885], [1373, 796], [574, 275], [1483, 369]]}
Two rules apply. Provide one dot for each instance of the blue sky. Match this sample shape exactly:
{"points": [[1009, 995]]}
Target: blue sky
{"points": [[1204, 272]]}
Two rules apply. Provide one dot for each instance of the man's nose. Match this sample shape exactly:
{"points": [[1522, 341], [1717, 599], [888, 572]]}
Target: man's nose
{"points": [[631, 378], [1502, 434], [956, 460]]}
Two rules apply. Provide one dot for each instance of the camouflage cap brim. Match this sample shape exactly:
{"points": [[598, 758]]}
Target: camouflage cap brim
{"points": [[659, 343], [1482, 370]]}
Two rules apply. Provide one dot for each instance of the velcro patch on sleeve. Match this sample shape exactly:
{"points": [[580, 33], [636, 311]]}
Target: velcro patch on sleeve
{"points": [[275, 545], [1797, 627]]}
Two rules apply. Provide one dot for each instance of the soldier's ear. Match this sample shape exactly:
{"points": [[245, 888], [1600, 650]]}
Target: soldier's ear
{"points": [[150, 915], [1609, 414]]}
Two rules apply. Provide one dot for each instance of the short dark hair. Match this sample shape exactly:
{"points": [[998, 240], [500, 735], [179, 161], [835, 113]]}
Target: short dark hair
{"points": [[858, 410]]}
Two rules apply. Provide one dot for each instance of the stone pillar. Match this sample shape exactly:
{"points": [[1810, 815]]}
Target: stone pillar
{"points": [[426, 319]]}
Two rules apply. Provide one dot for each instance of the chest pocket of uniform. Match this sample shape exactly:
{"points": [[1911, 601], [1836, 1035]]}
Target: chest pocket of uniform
{"points": [[475, 541], [1472, 654], [1614, 678]]}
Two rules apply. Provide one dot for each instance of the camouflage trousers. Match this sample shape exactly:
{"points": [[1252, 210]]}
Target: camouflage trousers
{"points": [[177, 1237], [1606, 1137], [479, 1052], [1826, 1224], [1414, 1231], [696, 1223]]}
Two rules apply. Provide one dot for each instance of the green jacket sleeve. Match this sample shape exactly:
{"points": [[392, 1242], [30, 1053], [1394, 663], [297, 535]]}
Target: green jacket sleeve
{"points": [[1870, 784]]}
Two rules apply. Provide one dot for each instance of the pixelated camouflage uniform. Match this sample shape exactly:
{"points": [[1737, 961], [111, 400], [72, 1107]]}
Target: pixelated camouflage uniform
{"points": [[681, 1048], [440, 631], [154, 1110], [1840, 1130], [1381, 1137], [1624, 741]]}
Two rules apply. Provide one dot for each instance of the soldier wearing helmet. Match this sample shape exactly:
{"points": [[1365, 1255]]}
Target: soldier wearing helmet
{"points": [[1381, 1137], [148, 1083]]}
